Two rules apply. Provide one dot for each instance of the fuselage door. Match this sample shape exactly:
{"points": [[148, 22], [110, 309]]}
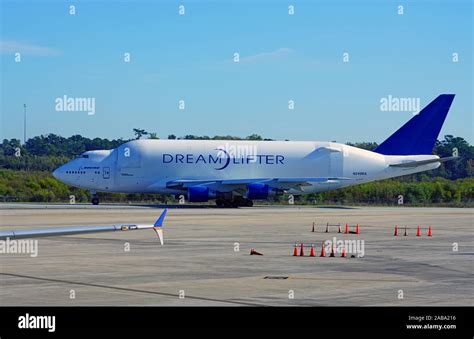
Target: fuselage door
{"points": [[129, 173], [106, 173], [336, 164]]}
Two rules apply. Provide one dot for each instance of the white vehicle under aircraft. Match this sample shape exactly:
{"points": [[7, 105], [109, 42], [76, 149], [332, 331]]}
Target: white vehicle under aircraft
{"points": [[235, 173]]}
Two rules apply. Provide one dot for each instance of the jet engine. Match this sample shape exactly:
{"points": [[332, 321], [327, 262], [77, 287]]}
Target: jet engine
{"points": [[259, 191], [199, 194]]}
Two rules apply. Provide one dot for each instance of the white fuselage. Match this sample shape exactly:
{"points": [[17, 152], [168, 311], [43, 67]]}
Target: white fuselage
{"points": [[147, 166]]}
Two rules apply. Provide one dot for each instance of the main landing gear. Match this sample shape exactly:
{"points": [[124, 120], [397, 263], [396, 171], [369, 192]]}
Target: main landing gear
{"points": [[236, 202], [95, 198]]}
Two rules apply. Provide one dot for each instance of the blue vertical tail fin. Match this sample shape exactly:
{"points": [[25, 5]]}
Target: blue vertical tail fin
{"points": [[419, 134]]}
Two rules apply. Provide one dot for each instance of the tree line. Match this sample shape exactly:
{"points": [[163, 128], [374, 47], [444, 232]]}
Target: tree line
{"points": [[40, 186]]}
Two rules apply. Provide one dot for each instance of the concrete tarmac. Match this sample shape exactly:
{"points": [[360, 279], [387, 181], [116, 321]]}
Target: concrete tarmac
{"points": [[205, 260]]}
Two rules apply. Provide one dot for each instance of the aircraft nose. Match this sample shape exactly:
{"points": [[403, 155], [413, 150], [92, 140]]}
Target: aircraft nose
{"points": [[57, 173]]}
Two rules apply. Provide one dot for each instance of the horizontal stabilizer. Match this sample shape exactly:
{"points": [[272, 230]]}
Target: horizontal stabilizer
{"points": [[421, 162]]}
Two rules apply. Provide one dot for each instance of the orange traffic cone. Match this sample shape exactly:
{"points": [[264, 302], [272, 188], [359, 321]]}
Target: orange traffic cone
{"points": [[339, 230], [253, 252], [395, 234], [332, 251], [302, 250], [327, 227], [323, 251], [405, 234], [343, 255], [429, 231], [313, 227], [357, 228], [295, 251], [311, 253], [418, 231], [347, 229]]}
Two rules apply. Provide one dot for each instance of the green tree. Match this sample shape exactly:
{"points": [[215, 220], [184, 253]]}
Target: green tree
{"points": [[139, 133]]}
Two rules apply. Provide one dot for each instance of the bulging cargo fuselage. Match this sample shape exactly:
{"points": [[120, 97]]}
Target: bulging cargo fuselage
{"points": [[148, 166]]}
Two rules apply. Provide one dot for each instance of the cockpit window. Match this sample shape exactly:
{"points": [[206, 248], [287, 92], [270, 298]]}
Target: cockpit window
{"points": [[85, 155]]}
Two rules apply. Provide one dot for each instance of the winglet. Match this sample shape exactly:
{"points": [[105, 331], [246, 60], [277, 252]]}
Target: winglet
{"points": [[159, 221], [158, 225]]}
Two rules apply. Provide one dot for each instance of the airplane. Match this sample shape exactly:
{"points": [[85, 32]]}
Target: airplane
{"points": [[58, 231], [235, 173]]}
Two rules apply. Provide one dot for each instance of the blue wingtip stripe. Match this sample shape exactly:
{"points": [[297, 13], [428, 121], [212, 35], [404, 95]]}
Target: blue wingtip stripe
{"points": [[159, 221]]}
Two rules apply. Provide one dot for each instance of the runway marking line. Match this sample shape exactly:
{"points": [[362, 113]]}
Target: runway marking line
{"points": [[127, 289]]}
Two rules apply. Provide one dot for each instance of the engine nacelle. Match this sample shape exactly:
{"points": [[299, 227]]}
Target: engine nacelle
{"points": [[259, 191], [198, 194]]}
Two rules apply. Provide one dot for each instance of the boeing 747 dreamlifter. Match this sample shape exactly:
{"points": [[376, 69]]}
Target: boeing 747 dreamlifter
{"points": [[235, 173]]}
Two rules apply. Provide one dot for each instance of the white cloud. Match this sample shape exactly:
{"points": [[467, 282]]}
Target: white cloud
{"points": [[10, 47], [265, 56]]}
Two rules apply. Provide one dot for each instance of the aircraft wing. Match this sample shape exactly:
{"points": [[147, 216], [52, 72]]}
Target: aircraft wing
{"points": [[57, 231], [414, 163], [277, 183]]}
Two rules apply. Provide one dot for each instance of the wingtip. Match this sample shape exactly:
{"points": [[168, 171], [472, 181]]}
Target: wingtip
{"points": [[159, 221], [158, 226]]}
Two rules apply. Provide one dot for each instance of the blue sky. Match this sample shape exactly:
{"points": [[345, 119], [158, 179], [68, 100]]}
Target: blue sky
{"points": [[282, 57]]}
